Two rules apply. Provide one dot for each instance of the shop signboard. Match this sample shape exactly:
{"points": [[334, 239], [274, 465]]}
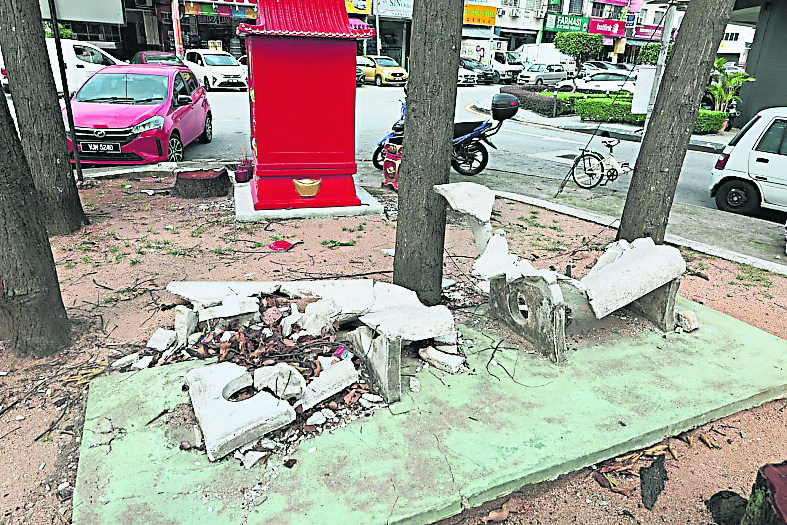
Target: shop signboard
{"points": [[648, 32], [361, 7], [621, 3], [635, 6], [631, 20], [98, 11], [606, 27], [608, 41], [480, 15], [395, 8], [566, 23]]}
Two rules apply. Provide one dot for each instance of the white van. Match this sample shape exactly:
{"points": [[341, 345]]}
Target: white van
{"points": [[82, 60], [751, 172], [506, 66]]}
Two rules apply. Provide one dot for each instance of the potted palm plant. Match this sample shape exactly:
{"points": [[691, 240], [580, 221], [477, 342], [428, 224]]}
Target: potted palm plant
{"points": [[725, 85]]}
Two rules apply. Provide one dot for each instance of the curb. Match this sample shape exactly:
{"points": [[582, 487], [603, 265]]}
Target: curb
{"points": [[615, 133], [610, 222]]}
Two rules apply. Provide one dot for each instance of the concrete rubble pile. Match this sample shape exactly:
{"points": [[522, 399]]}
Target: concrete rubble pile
{"points": [[294, 358]]}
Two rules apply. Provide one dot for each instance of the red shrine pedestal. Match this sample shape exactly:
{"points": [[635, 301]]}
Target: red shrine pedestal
{"points": [[301, 57]]}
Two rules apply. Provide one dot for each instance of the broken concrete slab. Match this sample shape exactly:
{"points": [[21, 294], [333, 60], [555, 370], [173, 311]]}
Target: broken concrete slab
{"points": [[314, 324], [203, 294], [316, 419], [687, 320], [185, 324], [231, 306], [627, 272], [387, 295], [495, 260], [475, 202], [345, 305], [331, 381], [285, 381], [412, 323], [250, 458], [383, 358], [125, 361], [143, 363], [449, 363], [292, 319], [324, 288], [227, 425], [448, 349], [162, 339]]}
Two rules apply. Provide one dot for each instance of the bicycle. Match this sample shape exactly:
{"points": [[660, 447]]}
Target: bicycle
{"points": [[591, 168]]}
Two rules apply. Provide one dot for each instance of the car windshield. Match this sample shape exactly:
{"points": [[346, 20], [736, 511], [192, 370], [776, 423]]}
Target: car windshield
{"points": [[386, 62], [220, 60], [513, 59], [161, 58], [124, 88], [536, 67]]}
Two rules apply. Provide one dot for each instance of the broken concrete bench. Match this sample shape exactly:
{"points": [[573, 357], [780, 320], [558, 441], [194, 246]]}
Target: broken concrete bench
{"points": [[541, 304]]}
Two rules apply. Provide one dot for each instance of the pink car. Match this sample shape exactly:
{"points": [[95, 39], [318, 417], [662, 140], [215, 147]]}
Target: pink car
{"points": [[139, 114]]}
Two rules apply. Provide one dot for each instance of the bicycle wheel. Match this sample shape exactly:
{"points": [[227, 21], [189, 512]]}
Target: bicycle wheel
{"points": [[588, 170]]}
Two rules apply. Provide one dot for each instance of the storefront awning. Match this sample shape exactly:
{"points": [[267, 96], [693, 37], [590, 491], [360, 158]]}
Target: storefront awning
{"points": [[518, 31], [359, 24]]}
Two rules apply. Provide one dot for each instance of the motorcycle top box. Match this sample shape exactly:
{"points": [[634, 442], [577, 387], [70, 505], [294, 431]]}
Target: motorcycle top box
{"points": [[504, 106]]}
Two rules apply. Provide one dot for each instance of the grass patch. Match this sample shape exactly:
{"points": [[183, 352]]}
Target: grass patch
{"points": [[221, 251], [196, 232], [334, 243], [134, 261], [70, 264], [751, 276]]}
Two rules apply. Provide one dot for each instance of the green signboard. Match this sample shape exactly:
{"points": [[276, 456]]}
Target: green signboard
{"points": [[558, 22]]}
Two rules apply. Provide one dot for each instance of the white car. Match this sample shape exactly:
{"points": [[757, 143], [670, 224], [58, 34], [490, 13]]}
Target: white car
{"points": [[466, 77], [751, 172], [602, 82], [540, 74], [216, 69]]}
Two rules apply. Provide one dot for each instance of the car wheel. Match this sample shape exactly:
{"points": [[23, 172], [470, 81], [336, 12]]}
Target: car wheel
{"points": [[207, 131], [738, 196], [175, 148], [496, 77], [378, 81], [206, 84]]}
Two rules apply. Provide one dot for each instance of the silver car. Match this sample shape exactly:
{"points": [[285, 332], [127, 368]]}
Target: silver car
{"points": [[540, 74]]}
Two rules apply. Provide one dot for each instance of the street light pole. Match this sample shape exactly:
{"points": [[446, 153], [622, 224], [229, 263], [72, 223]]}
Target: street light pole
{"points": [[666, 38]]}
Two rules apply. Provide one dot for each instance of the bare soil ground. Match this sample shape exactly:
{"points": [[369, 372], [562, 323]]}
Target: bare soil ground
{"points": [[113, 274]]}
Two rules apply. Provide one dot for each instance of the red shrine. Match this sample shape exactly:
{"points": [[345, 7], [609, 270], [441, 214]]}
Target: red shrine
{"points": [[301, 56]]}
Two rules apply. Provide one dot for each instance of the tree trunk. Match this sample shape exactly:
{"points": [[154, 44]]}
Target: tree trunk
{"points": [[32, 316], [38, 114], [666, 140], [426, 159], [768, 501]]}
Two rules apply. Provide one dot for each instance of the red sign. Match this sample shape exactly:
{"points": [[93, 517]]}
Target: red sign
{"points": [[601, 26], [649, 32]]}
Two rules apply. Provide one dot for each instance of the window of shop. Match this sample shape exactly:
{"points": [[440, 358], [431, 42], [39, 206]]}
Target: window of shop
{"points": [[598, 10], [575, 7]]}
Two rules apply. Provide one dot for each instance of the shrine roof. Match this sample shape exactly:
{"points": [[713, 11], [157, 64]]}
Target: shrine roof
{"points": [[304, 18]]}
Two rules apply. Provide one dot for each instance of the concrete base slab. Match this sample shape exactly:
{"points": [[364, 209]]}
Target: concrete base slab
{"points": [[245, 212], [468, 435]]}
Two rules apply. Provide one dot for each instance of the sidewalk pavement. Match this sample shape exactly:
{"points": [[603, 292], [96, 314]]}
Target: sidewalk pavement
{"points": [[738, 238], [712, 143]]}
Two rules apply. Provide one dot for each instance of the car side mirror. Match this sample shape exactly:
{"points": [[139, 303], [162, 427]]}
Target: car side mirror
{"points": [[183, 100]]}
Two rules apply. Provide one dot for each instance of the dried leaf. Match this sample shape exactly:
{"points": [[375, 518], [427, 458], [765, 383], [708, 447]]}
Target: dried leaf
{"points": [[673, 452], [602, 480], [348, 398], [496, 515], [720, 432], [708, 441], [620, 490], [288, 343]]}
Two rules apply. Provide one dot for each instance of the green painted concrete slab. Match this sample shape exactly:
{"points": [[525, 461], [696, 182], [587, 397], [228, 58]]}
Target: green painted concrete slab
{"points": [[467, 436]]}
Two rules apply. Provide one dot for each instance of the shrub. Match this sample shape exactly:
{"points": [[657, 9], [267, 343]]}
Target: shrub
{"points": [[543, 105], [604, 110], [571, 97]]}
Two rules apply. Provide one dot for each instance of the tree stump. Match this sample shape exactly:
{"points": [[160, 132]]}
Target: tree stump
{"points": [[768, 502], [200, 184]]}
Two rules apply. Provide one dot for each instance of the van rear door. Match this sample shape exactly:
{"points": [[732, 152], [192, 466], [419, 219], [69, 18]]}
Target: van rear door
{"points": [[768, 163]]}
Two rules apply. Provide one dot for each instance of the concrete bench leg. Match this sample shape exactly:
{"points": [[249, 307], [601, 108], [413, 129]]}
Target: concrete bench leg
{"points": [[535, 309], [658, 306]]}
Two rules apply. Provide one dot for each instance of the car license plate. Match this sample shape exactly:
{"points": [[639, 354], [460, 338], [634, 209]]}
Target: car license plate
{"points": [[99, 147]]}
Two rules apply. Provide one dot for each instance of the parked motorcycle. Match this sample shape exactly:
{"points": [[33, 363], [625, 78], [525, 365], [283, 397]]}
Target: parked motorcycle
{"points": [[732, 114], [469, 155]]}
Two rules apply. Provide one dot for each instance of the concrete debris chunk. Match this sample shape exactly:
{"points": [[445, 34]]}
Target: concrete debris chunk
{"points": [[250, 458], [314, 324], [185, 324], [372, 398], [125, 361], [415, 384], [228, 425], [475, 202], [448, 349], [230, 307], [285, 381], [411, 323], [324, 288], [442, 361], [292, 319], [383, 358], [316, 419], [331, 381], [687, 320], [344, 306], [162, 339], [226, 336], [194, 338], [388, 251], [495, 260], [271, 316], [142, 363], [203, 294]]}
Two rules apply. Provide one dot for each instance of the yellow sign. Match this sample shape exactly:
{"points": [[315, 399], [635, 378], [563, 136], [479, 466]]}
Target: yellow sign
{"points": [[480, 15], [363, 7]]}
